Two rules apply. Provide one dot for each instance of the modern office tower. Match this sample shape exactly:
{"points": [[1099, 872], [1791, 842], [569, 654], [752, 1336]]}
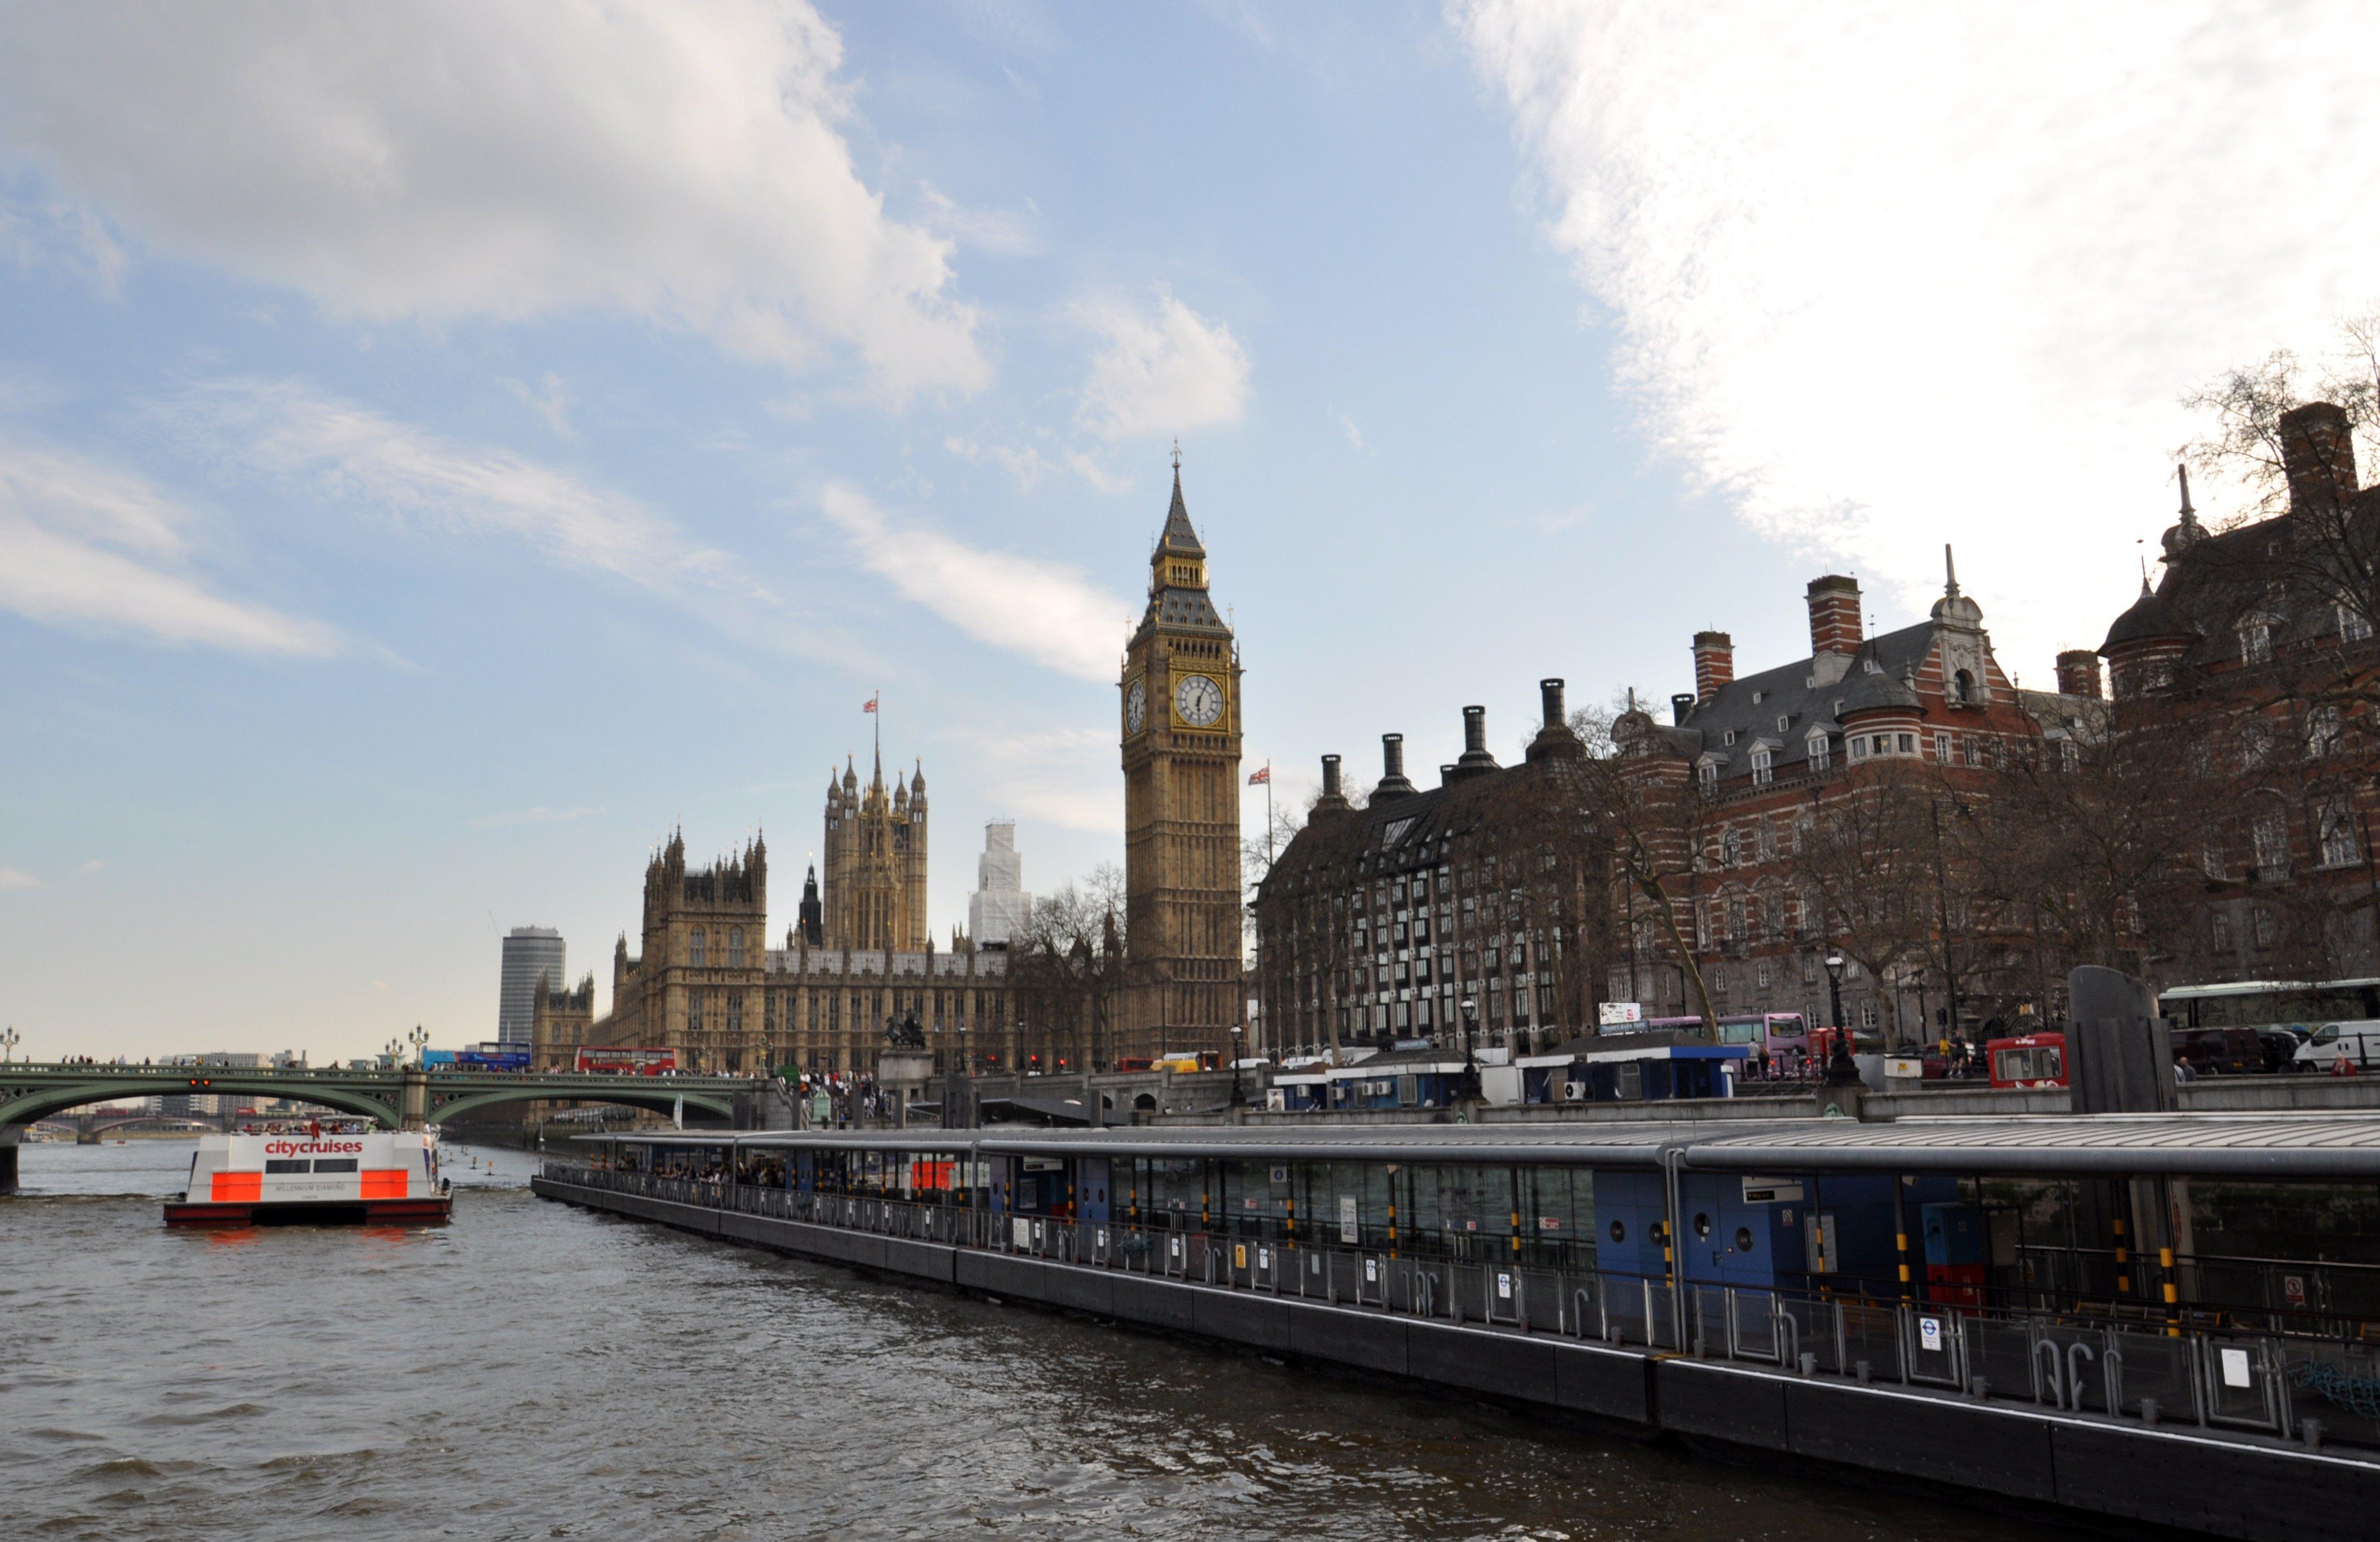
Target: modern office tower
{"points": [[529, 952]]}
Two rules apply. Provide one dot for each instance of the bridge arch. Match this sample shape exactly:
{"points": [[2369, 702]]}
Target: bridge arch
{"points": [[34, 1103], [660, 1099]]}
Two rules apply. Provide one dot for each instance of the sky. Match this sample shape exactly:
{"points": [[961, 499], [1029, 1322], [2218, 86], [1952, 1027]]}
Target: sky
{"points": [[445, 448]]}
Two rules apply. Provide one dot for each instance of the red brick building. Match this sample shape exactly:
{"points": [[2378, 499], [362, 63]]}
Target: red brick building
{"points": [[1734, 797], [2260, 638]]}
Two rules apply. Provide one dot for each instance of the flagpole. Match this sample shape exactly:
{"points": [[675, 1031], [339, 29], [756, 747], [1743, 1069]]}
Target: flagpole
{"points": [[1268, 816]]}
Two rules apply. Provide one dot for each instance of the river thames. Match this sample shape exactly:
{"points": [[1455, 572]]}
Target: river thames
{"points": [[533, 1370]]}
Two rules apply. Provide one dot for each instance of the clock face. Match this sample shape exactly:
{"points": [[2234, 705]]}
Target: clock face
{"points": [[1199, 701], [1136, 707]]}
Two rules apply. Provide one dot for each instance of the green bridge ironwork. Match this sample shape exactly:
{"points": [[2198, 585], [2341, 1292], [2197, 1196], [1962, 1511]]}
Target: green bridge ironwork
{"points": [[397, 1098]]}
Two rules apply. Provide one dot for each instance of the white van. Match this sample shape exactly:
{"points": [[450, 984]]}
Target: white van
{"points": [[2360, 1040]]}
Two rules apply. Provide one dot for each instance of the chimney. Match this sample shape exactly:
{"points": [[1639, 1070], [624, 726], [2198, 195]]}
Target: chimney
{"points": [[1834, 615], [1681, 706], [2318, 453], [2078, 673], [1334, 797], [1549, 696], [1392, 768], [1475, 760], [1714, 663]]}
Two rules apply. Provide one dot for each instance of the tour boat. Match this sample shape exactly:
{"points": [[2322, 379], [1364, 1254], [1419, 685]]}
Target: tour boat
{"points": [[313, 1177]]}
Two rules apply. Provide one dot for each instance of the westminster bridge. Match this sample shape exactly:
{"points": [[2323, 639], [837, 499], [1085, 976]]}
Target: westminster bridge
{"points": [[396, 1098]]}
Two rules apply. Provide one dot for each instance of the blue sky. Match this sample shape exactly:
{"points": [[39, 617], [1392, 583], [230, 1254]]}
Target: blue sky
{"points": [[440, 455]]}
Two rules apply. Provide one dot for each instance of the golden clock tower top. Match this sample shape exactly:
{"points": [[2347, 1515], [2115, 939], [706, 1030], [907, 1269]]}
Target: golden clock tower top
{"points": [[1180, 745]]}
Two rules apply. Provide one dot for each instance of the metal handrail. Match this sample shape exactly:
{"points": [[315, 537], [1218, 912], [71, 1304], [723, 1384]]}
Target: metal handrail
{"points": [[1867, 1335]]}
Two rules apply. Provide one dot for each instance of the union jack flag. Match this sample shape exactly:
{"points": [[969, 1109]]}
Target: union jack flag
{"points": [[1262, 777], [871, 705]]}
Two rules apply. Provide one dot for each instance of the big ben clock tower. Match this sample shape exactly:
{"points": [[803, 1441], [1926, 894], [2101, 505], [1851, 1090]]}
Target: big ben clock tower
{"points": [[1181, 721]]}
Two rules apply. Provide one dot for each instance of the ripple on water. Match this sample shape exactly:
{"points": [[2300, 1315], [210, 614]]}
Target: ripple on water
{"points": [[532, 1371]]}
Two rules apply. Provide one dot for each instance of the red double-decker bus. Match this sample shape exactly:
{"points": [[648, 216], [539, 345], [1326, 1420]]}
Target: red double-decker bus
{"points": [[627, 1062]]}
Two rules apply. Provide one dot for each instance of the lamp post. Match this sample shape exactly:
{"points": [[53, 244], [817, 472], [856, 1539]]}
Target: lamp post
{"points": [[1835, 988], [394, 1050], [1470, 1067], [1236, 1031], [419, 1040], [967, 1070], [9, 1039]]}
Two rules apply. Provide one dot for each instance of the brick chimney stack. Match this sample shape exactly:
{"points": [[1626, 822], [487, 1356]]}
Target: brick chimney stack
{"points": [[1549, 698], [2078, 673], [1835, 615], [1714, 663], [2318, 453]]}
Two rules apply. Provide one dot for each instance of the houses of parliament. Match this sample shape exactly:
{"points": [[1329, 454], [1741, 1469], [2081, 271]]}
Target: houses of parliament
{"points": [[859, 956]]}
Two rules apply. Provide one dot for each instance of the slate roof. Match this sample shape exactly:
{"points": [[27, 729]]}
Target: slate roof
{"points": [[1169, 605], [2214, 583], [1750, 707], [2152, 615]]}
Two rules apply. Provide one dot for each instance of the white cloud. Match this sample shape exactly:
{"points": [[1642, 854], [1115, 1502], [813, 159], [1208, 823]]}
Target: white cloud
{"points": [[1887, 276], [539, 815], [1347, 425], [93, 866], [346, 453], [1028, 464], [549, 399], [85, 544], [1167, 371], [1062, 776], [1048, 611], [16, 877], [688, 163]]}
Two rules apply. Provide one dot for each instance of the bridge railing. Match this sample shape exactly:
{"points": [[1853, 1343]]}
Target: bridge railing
{"points": [[2213, 1378]]}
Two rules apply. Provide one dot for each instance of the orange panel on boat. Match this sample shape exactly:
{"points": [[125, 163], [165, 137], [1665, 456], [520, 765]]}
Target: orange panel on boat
{"points": [[384, 1182], [233, 1188]]}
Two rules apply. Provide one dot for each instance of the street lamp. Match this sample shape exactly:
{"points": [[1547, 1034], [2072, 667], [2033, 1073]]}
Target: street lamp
{"points": [[9, 1039], [419, 1040], [1835, 987], [1236, 1031], [1470, 1067], [394, 1050]]}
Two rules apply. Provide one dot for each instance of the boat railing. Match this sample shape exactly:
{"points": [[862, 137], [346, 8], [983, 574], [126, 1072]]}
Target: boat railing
{"points": [[2210, 1377]]}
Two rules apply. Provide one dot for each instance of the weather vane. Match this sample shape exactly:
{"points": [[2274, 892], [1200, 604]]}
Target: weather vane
{"points": [[1177, 452]]}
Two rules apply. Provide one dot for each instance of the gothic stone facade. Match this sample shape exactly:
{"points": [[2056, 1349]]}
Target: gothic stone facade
{"points": [[707, 986], [559, 1023], [1179, 700], [875, 896]]}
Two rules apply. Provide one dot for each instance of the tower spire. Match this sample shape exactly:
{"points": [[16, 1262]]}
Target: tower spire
{"points": [[1949, 573]]}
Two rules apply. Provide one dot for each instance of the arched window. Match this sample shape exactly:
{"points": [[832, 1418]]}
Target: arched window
{"points": [[696, 946], [1962, 687], [735, 947]]}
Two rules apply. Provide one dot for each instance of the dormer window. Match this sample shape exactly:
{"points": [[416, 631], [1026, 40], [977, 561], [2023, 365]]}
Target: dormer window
{"points": [[1730, 736], [1871, 666], [1763, 767], [2353, 625], [1783, 723], [1706, 774], [2256, 641], [1821, 752], [1757, 697]]}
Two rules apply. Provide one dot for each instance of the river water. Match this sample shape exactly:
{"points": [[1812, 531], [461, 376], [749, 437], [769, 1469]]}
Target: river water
{"points": [[532, 1370]]}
